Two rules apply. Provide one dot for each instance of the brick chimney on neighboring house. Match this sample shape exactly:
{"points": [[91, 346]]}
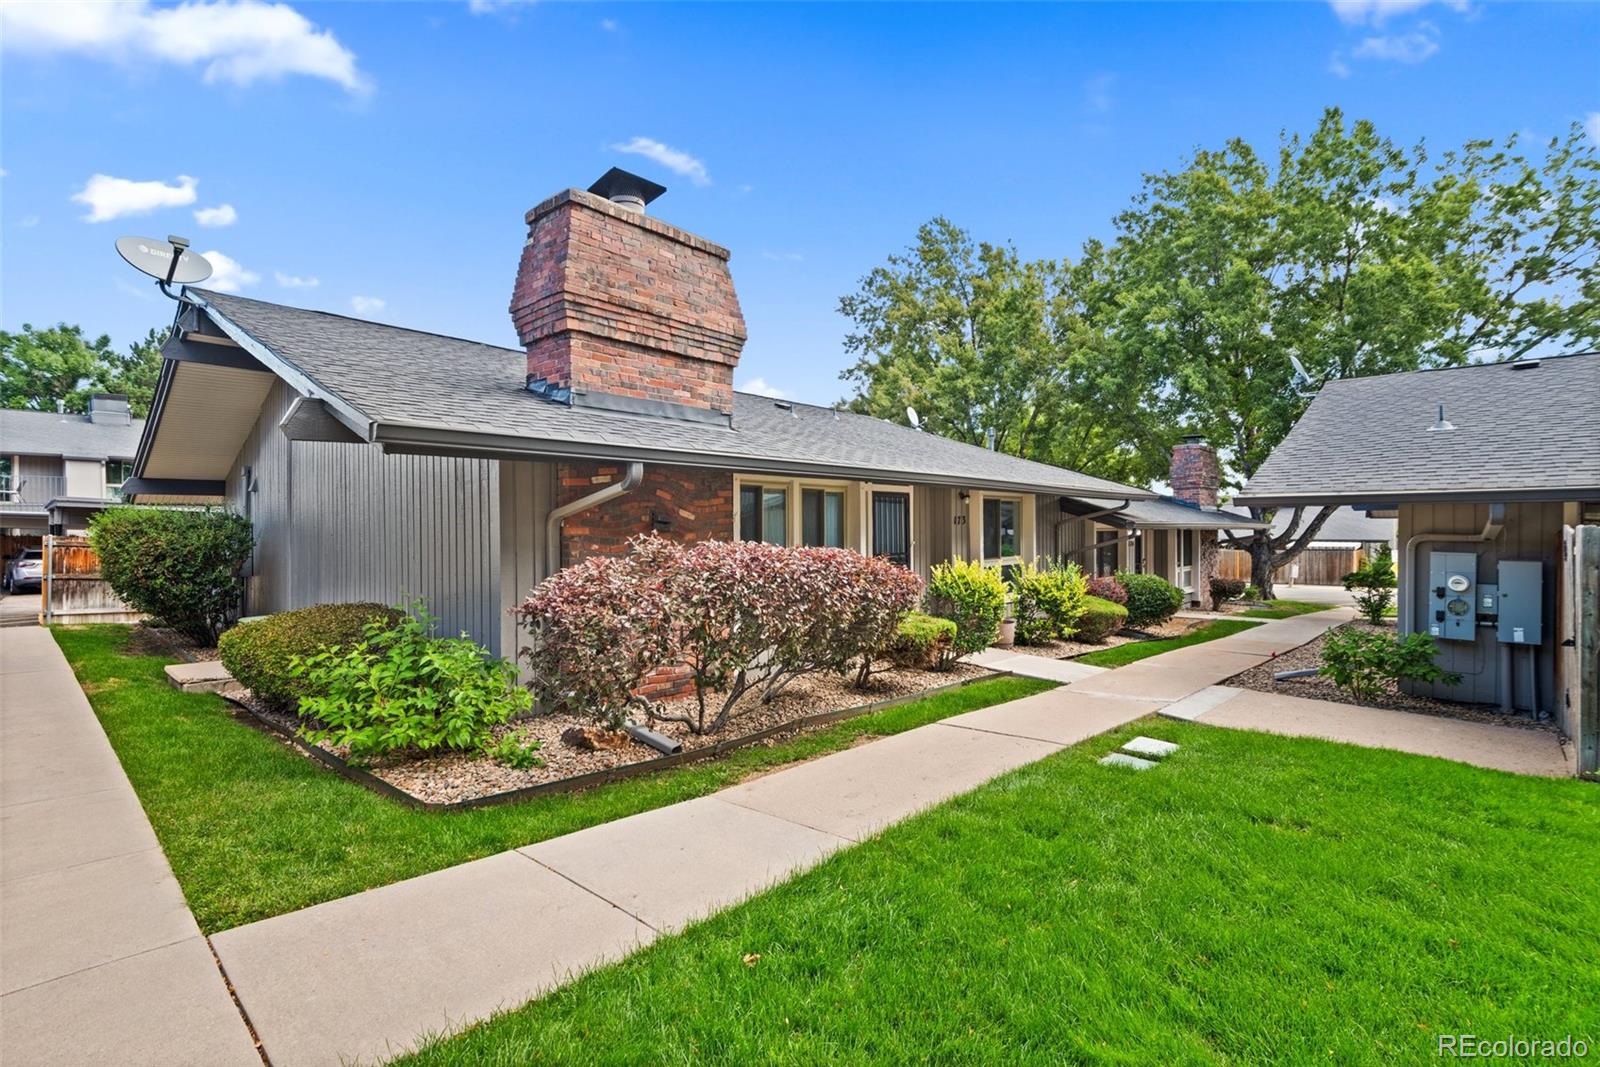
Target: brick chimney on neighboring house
{"points": [[1196, 478], [622, 311]]}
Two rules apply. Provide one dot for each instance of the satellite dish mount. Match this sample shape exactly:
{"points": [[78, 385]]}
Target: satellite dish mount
{"points": [[168, 261]]}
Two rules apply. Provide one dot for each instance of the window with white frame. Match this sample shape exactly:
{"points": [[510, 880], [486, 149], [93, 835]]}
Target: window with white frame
{"points": [[117, 472], [764, 513], [5, 477]]}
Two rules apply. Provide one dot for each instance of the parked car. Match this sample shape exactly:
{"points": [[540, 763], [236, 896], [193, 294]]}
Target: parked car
{"points": [[25, 570]]}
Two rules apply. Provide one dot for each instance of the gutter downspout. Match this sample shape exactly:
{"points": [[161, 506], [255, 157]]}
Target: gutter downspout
{"points": [[1408, 595], [552, 525]]}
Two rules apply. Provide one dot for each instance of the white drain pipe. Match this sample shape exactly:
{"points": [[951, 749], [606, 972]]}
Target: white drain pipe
{"points": [[552, 525]]}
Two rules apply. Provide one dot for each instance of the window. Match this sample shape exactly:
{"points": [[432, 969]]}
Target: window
{"points": [[891, 526], [117, 472], [822, 518], [1001, 537], [764, 513], [5, 477], [1105, 556]]}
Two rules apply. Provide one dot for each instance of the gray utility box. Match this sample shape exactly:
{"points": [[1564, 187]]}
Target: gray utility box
{"points": [[1453, 595], [1521, 619]]}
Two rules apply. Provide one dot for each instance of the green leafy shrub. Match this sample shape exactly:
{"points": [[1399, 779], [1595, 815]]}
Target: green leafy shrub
{"points": [[1251, 592], [973, 597], [1107, 587], [1100, 619], [1366, 662], [1226, 589], [1152, 600], [514, 752], [401, 689], [182, 567], [259, 653], [1373, 584], [1049, 602], [923, 642]]}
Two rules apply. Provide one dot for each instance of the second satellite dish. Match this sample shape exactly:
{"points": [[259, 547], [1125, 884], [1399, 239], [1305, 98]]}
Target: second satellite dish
{"points": [[167, 261]]}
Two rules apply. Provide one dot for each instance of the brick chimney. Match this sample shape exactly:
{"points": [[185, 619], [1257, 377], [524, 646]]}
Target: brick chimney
{"points": [[1196, 476], [622, 311]]}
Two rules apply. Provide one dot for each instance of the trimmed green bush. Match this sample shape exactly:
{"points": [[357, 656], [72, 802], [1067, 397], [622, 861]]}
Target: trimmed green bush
{"points": [[973, 597], [1226, 589], [1100, 619], [1049, 602], [258, 653], [1366, 662], [923, 642], [182, 567], [1152, 600]]}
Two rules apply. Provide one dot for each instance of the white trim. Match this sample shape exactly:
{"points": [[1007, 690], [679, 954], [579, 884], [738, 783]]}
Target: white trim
{"points": [[1027, 530]]}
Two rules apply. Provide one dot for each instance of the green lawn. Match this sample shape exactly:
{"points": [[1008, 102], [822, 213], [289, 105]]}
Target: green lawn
{"points": [[1255, 900], [1285, 609], [1133, 651], [254, 829]]}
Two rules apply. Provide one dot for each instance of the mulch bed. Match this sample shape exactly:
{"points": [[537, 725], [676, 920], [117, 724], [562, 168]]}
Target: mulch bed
{"points": [[1309, 656], [455, 777], [1073, 649]]}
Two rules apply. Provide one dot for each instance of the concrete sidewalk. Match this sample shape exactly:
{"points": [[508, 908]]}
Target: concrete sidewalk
{"points": [[100, 960]]}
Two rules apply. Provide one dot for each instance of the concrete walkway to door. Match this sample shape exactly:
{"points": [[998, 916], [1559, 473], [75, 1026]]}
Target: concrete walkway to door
{"points": [[100, 960]]}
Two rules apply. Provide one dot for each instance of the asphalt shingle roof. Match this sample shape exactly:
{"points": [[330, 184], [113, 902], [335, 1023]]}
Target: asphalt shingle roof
{"points": [[1524, 432], [1166, 511], [409, 378], [46, 433]]}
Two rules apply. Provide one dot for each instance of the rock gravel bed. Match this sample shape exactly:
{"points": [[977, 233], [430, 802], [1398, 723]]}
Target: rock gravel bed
{"points": [[456, 777], [1309, 656]]}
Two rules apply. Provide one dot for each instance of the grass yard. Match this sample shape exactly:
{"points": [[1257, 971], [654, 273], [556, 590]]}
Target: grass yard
{"points": [[1285, 609], [1133, 651], [1256, 899], [254, 829]]}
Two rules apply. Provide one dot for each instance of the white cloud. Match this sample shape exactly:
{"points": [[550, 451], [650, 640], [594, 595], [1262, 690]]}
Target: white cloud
{"points": [[1413, 47], [228, 275], [111, 198], [609, 25], [221, 215], [1097, 93], [675, 160], [296, 281], [366, 305], [234, 41], [490, 7], [1337, 66], [760, 387], [1591, 126], [1377, 12]]}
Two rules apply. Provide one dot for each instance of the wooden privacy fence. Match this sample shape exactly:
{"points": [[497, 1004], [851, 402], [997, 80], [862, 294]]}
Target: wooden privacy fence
{"points": [[1578, 643], [74, 592], [1317, 566]]}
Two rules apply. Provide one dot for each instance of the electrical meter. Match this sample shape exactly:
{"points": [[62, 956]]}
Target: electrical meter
{"points": [[1452, 595]]}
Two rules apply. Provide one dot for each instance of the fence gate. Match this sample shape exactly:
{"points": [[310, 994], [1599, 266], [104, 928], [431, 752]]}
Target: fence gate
{"points": [[74, 592], [1578, 637]]}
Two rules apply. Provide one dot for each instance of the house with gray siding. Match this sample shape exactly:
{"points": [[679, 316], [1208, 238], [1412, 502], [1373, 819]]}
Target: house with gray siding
{"points": [[57, 468], [1492, 473], [381, 463]]}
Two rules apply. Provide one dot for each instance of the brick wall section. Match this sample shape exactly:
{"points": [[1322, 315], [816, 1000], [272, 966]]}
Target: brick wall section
{"points": [[1196, 476], [698, 504], [612, 301]]}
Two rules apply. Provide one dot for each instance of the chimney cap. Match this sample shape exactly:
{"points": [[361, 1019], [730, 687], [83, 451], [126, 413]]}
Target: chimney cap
{"points": [[1194, 439], [618, 182]]}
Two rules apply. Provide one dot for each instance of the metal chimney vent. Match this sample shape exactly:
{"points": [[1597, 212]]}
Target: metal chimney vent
{"points": [[626, 190]]}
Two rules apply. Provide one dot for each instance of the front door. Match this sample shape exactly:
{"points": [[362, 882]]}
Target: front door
{"points": [[1184, 572], [891, 527]]}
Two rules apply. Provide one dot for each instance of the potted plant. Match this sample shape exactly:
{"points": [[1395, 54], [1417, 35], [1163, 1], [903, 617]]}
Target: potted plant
{"points": [[1008, 624]]}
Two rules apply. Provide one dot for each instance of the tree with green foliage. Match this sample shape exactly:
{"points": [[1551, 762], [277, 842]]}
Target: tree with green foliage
{"points": [[39, 367]]}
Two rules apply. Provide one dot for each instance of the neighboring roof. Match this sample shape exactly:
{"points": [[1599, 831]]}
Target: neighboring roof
{"points": [[46, 433], [1531, 434], [1165, 512], [414, 391], [1345, 525]]}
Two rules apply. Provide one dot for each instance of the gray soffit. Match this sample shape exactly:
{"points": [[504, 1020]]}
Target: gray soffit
{"points": [[409, 391], [1519, 433]]}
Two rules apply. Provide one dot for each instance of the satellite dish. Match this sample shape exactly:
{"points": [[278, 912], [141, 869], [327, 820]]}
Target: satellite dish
{"points": [[166, 261], [1303, 378], [913, 418]]}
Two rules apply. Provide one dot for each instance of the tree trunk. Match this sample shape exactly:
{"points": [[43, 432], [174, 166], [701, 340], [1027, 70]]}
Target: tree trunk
{"points": [[1261, 563]]}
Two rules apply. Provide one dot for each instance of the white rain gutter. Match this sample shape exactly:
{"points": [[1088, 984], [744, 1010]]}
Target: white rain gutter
{"points": [[552, 525]]}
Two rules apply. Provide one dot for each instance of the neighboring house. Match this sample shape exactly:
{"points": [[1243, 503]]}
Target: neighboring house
{"points": [[1345, 539], [1485, 467], [378, 462], [56, 469]]}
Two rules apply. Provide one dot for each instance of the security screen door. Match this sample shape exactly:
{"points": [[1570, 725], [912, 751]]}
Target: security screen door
{"points": [[891, 527]]}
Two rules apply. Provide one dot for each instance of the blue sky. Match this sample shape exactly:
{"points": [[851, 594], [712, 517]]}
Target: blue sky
{"points": [[387, 152]]}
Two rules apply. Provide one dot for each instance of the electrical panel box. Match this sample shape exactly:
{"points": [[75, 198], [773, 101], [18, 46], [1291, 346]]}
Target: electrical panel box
{"points": [[1521, 619], [1488, 602], [1453, 595]]}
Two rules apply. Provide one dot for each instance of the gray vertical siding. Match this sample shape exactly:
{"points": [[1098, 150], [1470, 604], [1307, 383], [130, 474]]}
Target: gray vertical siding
{"points": [[1532, 532], [344, 522], [527, 492]]}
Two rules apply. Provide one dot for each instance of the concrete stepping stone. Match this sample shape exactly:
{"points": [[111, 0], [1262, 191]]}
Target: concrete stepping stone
{"points": [[207, 676], [1122, 759], [1150, 747]]}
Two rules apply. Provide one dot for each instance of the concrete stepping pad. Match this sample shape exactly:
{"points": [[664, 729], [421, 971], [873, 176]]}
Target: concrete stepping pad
{"points": [[1150, 747], [1122, 759], [207, 676]]}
